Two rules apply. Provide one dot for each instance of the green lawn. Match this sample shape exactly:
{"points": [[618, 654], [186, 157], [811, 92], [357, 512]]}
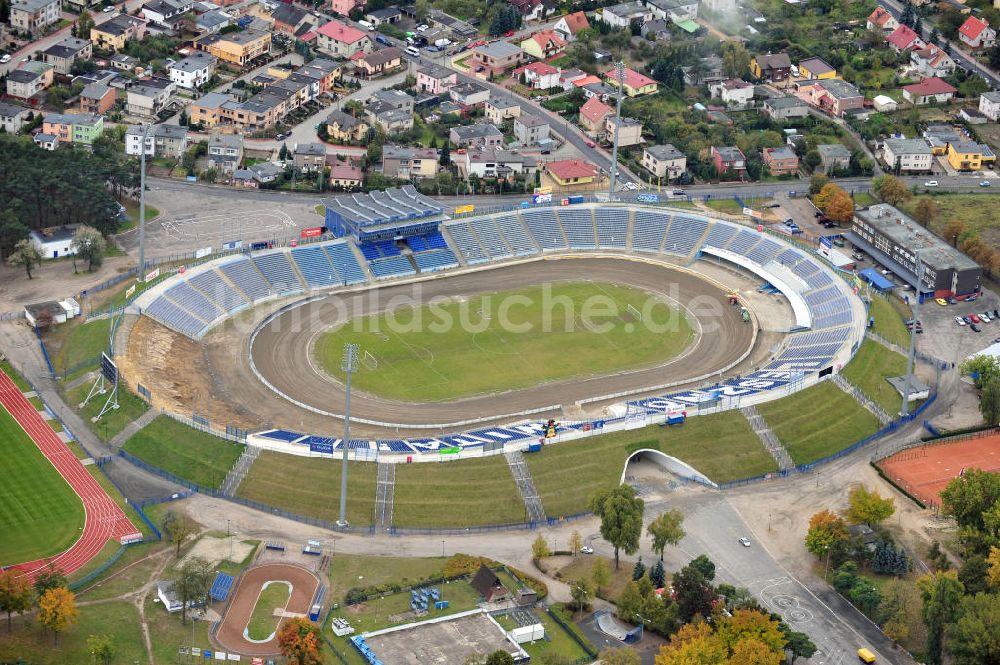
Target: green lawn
{"points": [[119, 620], [262, 622], [130, 572], [868, 371], [721, 446], [132, 215], [729, 206], [196, 456], [394, 609], [889, 321], [864, 199], [469, 492], [130, 408], [975, 211], [41, 514], [19, 381], [167, 633], [346, 569], [558, 642], [311, 486], [83, 342], [532, 335], [818, 421]]}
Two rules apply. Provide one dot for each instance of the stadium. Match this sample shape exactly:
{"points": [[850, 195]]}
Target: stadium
{"points": [[253, 339]]}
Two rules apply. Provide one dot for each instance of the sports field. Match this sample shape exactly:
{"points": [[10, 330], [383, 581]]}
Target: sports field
{"points": [[507, 340], [41, 515], [262, 622], [196, 456]]}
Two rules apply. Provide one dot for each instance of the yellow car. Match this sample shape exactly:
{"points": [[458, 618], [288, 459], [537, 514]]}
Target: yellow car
{"points": [[941, 301], [866, 656]]}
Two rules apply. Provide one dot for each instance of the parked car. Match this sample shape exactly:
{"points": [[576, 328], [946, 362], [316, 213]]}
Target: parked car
{"points": [[744, 541], [984, 183], [985, 317], [108, 9], [5, 58], [952, 301], [967, 319], [931, 183], [976, 328], [587, 549], [941, 301], [591, 144], [975, 318], [858, 256], [972, 298], [959, 320]]}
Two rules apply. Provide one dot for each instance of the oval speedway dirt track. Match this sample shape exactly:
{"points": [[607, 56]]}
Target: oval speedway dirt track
{"points": [[282, 346]]}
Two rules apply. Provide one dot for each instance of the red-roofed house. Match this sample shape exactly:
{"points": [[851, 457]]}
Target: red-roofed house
{"points": [[882, 21], [345, 7], [932, 61], [539, 75], [543, 44], [929, 91], [342, 40], [635, 83], [977, 33], [903, 38], [586, 80], [568, 26], [593, 115], [344, 174], [571, 172]]}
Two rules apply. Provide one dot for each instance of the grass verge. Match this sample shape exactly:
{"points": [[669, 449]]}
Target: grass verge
{"points": [[196, 456], [869, 369], [115, 420], [889, 321]]}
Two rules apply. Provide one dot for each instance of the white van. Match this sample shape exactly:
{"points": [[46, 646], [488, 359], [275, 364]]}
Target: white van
{"points": [[412, 51], [366, 25]]}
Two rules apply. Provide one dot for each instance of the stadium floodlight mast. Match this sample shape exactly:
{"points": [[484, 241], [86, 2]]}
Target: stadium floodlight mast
{"points": [[913, 338], [620, 75], [349, 365], [142, 204]]}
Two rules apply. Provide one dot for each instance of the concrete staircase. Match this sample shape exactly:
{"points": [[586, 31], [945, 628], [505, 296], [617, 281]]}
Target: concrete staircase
{"points": [[526, 486], [385, 489], [861, 398], [239, 470], [768, 438]]}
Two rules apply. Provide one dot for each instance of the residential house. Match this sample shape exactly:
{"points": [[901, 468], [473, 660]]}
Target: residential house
{"points": [[34, 16], [265, 172], [384, 16], [708, 70], [342, 40], [193, 71], [570, 25], [97, 98], [167, 141], [125, 63], [497, 163], [344, 127], [435, 79], [989, 105], [73, 127], [344, 174], [479, 135], [288, 18], [781, 160], [881, 21], [601, 91], [409, 163], [903, 38], [544, 44], [531, 10], [736, 93], [12, 117], [932, 61], [977, 33], [29, 79], [568, 76], [459, 28], [629, 131], [236, 48], [500, 110], [675, 11], [62, 55], [816, 68], [729, 160], [570, 172], [785, 108], [345, 7], [970, 156], [884, 104], [834, 96], [531, 130], [46, 141], [622, 15], [164, 15], [207, 110], [656, 30], [146, 100], [539, 75], [395, 98], [212, 23], [379, 62], [390, 118], [771, 67], [469, 95], [114, 34], [592, 116], [907, 155], [931, 90], [664, 161], [833, 157], [939, 137], [309, 157], [635, 83], [495, 58]]}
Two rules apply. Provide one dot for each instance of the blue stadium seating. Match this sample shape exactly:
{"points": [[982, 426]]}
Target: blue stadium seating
{"points": [[172, 316], [515, 233], [829, 321], [438, 259], [394, 445], [744, 242], [467, 243], [823, 350], [579, 227], [278, 272], [436, 241], [315, 266], [837, 335], [221, 586], [247, 278], [544, 227], [719, 235], [647, 236], [493, 242], [764, 251], [211, 284], [369, 251], [684, 234], [282, 435], [194, 301], [417, 243], [612, 227], [345, 262], [394, 266]]}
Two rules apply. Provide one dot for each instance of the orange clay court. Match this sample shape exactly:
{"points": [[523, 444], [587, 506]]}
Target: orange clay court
{"points": [[925, 471]]}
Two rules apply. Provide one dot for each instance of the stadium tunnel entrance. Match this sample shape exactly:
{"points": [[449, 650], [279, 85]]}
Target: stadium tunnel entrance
{"points": [[668, 463]]}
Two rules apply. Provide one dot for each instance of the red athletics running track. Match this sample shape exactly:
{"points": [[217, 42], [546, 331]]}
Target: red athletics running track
{"points": [[103, 519]]}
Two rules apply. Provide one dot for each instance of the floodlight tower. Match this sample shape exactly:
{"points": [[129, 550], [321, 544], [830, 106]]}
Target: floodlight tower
{"points": [[141, 277], [349, 365], [620, 75], [913, 338]]}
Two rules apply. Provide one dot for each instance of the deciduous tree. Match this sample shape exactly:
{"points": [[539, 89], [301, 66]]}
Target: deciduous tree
{"points": [[101, 648], [575, 542], [972, 637], [15, 593], [940, 593], [989, 401], [500, 657], [620, 511], [600, 574], [194, 580], [993, 575], [868, 507], [840, 209], [581, 594], [298, 641], [540, 548], [619, 656], [693, 593], [693, 643], [925, 210], [750, 624], [891, 189], [178, 527], [88, 244], [735, 59], [26, 253], [57, 610], [49, 578], [953, 230], [666, 529]]}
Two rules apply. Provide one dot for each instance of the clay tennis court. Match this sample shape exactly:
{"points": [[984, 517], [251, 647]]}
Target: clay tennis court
{"points": [[230, 634], [926, 470]]}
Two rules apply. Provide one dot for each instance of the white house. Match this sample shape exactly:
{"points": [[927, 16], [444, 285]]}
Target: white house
{"points": [[540, 75], [736, 93], [168, 596], [55, 242], [622, 15], [989, 104], [884, 104], [193, 71], [912, 155]]}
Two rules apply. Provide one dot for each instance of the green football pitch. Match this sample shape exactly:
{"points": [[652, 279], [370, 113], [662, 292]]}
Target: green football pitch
{"points": [[41, 515], [507, 340]]}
